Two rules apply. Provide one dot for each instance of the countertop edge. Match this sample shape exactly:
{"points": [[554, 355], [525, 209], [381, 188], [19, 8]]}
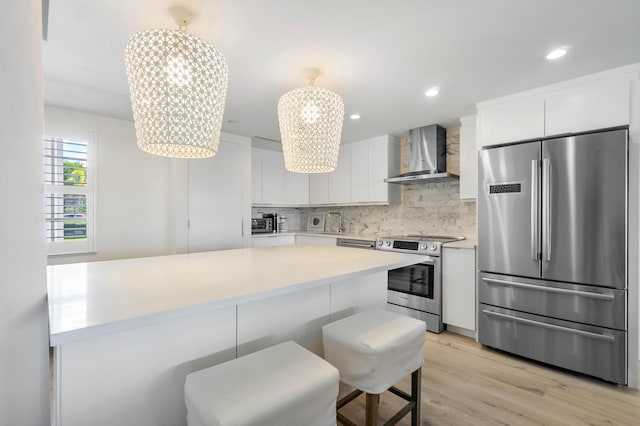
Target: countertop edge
{"points": [[90, 331]]}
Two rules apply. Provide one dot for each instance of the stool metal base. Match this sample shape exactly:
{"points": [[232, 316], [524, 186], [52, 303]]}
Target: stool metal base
{"points": [[373, 401]]}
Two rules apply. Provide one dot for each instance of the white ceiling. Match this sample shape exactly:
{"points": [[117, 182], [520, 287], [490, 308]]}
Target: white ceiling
{"points": [[379, 55]]}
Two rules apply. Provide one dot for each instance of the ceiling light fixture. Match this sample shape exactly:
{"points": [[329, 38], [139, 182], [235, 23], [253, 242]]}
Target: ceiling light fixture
{"points": [[310, 121], [355, 116], [178, 86], [432, 92], [557, 53]]}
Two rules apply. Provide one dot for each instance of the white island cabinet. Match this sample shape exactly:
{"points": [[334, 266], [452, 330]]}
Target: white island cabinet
{"points": [[126, 333]]}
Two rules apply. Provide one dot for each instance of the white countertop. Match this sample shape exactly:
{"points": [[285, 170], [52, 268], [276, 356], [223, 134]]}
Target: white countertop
{"points": [[89, 299], [466, 244]]}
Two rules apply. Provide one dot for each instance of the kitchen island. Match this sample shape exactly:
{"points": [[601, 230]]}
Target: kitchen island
{"points": [[125, 333]]}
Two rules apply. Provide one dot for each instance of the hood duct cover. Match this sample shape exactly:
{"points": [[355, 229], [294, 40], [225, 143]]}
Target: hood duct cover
{"points": [[427, 157]]}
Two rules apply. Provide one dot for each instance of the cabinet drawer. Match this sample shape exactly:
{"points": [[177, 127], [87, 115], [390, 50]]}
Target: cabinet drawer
{"points": [[596, 351], [586, 304]]}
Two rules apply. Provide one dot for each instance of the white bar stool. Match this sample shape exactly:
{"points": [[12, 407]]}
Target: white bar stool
{"points": [[373, 350], [281, 385]]}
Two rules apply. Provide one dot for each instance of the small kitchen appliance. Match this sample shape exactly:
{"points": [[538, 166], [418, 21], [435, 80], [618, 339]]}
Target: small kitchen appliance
{"points": [[416, 290], [262, 225]]}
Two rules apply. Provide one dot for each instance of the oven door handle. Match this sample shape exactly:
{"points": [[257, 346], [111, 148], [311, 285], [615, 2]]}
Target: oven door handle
{"points": [[599, 296], [552, 326]]}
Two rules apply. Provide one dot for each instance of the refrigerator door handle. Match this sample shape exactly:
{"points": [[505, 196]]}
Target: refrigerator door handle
{"points": [[546, 208], [599, 296], [535, 252], [589, 334]]}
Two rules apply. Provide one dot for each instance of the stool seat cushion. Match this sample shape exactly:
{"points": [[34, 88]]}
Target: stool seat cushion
{"points": [[281, 385], [374, 349]]}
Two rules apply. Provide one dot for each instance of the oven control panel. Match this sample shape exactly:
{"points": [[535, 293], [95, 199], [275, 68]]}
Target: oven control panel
{"points": [[409, 246]]}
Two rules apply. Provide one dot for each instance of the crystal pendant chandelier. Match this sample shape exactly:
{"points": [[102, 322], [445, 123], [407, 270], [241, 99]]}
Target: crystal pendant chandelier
{"points": [[178, 86], [310, 128]]}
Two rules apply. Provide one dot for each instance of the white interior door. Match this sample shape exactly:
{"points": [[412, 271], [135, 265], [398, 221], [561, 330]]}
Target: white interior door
{"points": [[216, 191]]}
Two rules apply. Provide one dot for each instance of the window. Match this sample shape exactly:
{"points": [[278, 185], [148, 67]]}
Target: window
{"points": [[70, 180]]}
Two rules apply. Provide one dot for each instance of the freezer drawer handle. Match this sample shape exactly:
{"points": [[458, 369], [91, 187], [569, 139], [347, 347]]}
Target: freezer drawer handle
{"points": [[599, 296], [552, 326]]}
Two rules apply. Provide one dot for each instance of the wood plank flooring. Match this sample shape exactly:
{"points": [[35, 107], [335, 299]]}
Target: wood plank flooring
{"points": [[464, 383]]}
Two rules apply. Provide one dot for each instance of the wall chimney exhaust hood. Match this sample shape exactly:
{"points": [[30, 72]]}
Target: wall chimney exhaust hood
{"points": [[427, 157]]}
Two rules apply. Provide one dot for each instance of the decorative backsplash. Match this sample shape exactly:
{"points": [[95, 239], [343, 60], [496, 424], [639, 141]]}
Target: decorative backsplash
{"points": [[430, 208]]}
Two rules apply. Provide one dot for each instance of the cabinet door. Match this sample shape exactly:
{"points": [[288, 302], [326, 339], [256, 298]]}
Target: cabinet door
{"points": [[273, 177], [511, 121], [318, 188], [359, 173], [459, 287], [216, 191], [468, 158], [318, 241], [273, 241], [256, 176], [381, 166], [589, 107], [358, 294], [297, 316], [339, 186], [296, 188]]}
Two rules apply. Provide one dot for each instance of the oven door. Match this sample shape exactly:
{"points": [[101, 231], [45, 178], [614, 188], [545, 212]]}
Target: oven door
{"points": [[417, 286]]}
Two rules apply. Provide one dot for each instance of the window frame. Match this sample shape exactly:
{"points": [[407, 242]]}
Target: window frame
{"points": [[88, 245]]}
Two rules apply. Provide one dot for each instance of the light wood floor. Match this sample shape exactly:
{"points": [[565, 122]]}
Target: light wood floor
{"points": [[466, 384]]}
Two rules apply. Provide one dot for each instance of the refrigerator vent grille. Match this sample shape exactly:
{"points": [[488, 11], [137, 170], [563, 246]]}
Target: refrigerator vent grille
{"points": [[505, 188]]}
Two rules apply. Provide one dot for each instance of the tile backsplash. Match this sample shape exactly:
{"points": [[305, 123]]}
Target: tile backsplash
{"points": [[430, 208]]}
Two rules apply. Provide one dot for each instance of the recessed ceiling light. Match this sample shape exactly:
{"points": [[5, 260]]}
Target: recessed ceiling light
{"points": [[432, 92], [354, 116], [557, 53]]}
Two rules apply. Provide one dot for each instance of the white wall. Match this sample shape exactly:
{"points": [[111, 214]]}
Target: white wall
{"points": [[135, 212], [24, 368]]}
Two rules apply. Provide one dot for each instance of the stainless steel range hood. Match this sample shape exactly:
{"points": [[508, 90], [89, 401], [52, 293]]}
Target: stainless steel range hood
{"points": [[427, 157]]}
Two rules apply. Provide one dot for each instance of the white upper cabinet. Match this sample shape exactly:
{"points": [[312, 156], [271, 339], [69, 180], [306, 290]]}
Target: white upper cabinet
{"points": [[510, 121], [272, 177], [384, 162], [359, 177], [296, 188], [468, 158], [359, 173], [339, 186], [594, 106], [272, 184], [318, 188], [593, 102], [256, 176]]}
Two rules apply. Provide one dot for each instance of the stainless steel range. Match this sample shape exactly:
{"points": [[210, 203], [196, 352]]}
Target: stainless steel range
{"points": [[416, 290]]}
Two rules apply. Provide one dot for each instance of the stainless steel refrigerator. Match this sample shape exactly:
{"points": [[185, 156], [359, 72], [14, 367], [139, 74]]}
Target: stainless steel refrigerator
{"points": [[552, 251]]}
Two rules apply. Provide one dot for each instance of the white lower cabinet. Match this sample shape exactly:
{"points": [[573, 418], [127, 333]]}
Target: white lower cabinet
{"points": [[318, 241], [358, 294], [273, 240], [295, 316], [136, 376], [459, 287]]}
